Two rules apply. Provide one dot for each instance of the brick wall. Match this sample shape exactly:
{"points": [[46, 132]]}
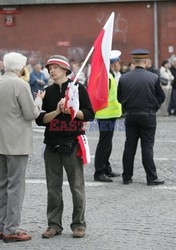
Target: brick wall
{"points": [[70, 30]]}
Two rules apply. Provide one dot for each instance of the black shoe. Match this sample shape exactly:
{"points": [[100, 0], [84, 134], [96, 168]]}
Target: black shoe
{"points": [[113, 174], [126, 182], [102, 178], [155, 182]]}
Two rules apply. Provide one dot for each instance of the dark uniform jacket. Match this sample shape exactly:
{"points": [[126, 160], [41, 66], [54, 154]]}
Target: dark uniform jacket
{"points": [[140, 90], [62, 129]]}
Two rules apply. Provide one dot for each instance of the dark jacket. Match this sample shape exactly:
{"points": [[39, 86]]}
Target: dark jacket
{"points": [[140, 90], [35, 86], [173, 71], [62, 129], [154, 70]]}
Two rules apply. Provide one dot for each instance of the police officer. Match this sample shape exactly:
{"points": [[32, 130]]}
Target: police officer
{"points": [[106, 120], [141, 95]]}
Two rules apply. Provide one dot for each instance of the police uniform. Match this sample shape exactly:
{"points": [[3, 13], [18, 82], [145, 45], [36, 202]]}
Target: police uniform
{"points": [[141, 95], [106, 120]]}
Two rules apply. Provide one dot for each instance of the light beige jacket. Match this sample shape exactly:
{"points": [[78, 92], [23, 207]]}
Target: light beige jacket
{"points": [[17, 110]]}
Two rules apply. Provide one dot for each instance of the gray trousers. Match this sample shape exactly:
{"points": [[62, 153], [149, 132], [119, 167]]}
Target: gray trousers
{"points": [[12, 188], [54, 162]]}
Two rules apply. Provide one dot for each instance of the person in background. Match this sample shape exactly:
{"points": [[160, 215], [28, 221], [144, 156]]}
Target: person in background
{"points": [[141, 95], [2, 71], [131, 66], [62, 148], [72, 62], [25, 75], [32, 61], [106, 121], [150, 67], [124, 68], [75, 68], [48, 78], [37, 80], [115, 66], [86, 71], [17, 112], [172, 102], [167, 75]]}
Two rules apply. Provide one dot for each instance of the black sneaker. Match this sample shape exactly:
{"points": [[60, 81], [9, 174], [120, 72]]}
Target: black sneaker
{"points": [[102, 178]]}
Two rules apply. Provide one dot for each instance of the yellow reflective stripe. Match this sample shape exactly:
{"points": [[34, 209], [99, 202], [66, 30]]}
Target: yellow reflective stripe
{"points": [[106, 116], [112, 111]]}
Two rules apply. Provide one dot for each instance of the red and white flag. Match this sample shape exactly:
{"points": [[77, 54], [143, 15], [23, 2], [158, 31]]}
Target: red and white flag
{"points": [[84, 151], [100, 64], [72, 99]]}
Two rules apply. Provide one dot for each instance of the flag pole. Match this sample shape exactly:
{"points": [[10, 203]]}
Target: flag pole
{"points": [[83, 64]]}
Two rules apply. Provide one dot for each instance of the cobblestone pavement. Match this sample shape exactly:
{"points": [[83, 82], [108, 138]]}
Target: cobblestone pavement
{"points": [[119, 217]]}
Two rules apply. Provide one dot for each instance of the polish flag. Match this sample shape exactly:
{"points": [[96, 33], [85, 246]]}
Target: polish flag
{"points": [[99, 81], [72, 99], [84, 150]]}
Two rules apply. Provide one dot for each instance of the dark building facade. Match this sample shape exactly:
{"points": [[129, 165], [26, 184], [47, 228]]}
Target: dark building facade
{"points": [[70, 29]]}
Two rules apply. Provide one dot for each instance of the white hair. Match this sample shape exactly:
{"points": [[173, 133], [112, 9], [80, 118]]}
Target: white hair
{"points": [[14, 62]]}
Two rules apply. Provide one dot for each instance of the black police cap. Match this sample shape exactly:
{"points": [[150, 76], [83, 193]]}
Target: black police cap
{"points": [[140, 53]]}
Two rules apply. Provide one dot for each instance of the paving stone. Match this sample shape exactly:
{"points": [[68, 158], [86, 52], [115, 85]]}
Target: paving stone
{"points": [[119, 217]]}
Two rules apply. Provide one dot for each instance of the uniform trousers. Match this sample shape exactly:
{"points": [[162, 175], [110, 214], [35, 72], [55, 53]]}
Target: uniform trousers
{"points": [[143, 127], [12, 189], [104, 147], [54, 163]]}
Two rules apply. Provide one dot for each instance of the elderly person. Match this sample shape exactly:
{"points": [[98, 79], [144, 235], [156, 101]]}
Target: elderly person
{"points": [[17, 112]]}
